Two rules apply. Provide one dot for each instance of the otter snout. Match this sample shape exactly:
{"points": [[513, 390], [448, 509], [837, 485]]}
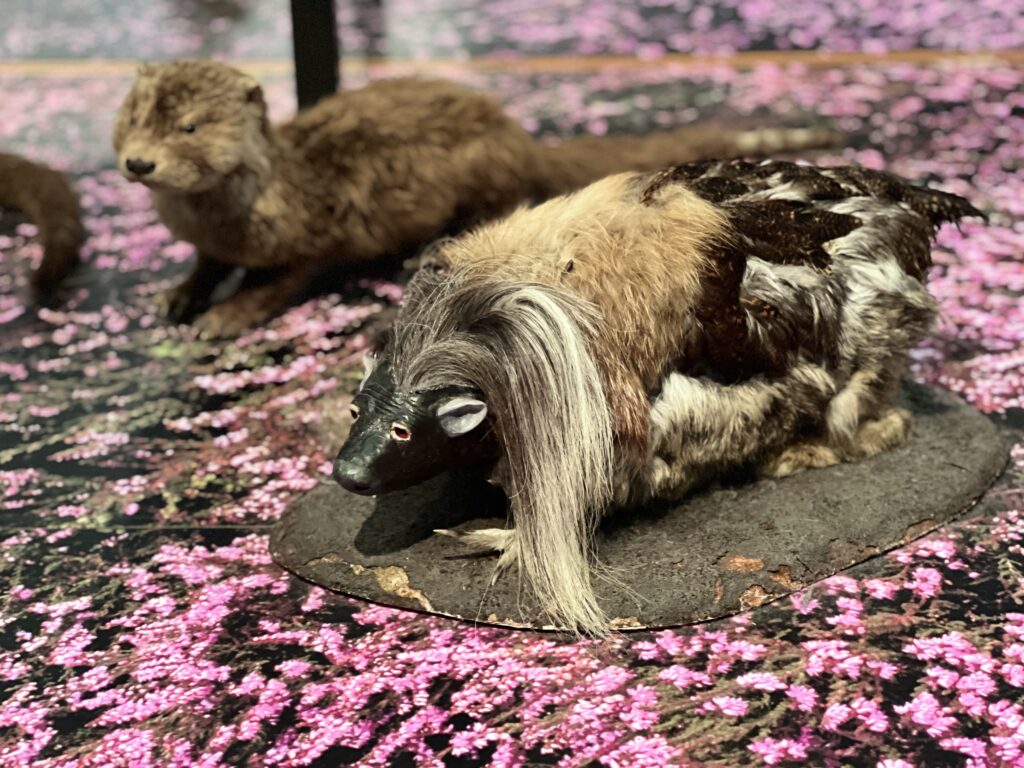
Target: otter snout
{"points": [[139, 166]]}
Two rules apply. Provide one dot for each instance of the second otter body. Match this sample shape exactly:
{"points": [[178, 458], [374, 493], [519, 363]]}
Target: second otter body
{"points": [[362, 175]]}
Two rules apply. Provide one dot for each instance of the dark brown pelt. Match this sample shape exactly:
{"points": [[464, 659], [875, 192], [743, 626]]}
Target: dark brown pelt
{"points": [[47, 199]]}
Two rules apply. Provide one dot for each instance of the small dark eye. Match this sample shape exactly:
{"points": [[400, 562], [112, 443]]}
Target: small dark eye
{"points": [[131, 120], [189, 128], [354, 410], [401, 432]]}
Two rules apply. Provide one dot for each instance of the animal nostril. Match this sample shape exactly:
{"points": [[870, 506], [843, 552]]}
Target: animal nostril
{"points": [[139, 167], [351, 477]]}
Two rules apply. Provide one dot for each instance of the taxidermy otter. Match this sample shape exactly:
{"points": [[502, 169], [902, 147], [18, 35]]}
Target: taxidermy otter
{"points": [[644, 335], [362, 175], [47, 199]]}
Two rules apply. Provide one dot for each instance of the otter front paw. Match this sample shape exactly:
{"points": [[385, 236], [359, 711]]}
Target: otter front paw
{"points": [[227, 320], [180, 303]]}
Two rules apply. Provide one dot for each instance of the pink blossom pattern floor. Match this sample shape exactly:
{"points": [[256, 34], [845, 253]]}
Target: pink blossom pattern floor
{"points": [[142, 622]]}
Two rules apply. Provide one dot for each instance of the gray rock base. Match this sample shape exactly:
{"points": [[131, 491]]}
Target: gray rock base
{"points": [[716, 553]]}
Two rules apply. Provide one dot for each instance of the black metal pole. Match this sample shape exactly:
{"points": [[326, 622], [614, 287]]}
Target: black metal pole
{"points": [[316, 50]]}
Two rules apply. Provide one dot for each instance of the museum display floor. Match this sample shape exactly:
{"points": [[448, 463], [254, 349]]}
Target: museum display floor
{"points": [[142, 621]]}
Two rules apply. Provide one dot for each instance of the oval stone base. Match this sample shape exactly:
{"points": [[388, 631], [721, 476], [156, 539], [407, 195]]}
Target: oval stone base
{"points": [[715, 553]]}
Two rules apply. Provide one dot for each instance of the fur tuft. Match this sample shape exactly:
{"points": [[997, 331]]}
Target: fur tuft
{"points": [[526, 348]]}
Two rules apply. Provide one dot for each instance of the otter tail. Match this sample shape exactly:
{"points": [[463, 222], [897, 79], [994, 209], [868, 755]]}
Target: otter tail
{"points": [[579, 161], [47, 199]]}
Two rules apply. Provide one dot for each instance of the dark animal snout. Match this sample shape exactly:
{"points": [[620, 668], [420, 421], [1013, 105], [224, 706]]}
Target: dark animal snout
{"points": [[140, 167], [352, 476]]}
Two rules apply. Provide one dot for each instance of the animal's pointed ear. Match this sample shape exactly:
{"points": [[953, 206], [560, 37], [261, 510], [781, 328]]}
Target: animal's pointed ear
{"points": [[369, 363], [144, 70], [461, 415], [253, 91]]}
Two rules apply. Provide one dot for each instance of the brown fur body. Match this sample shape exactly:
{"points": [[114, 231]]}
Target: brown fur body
{"points": [[48, 200], [363, 175]]}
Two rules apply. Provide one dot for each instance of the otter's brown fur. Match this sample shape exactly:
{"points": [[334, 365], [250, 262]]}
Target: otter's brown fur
{"points": [[362, 175], [48, 200]]}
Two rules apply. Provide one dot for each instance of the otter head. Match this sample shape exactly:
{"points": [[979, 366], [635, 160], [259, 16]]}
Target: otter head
{"points": [[400, 439], [185, 125]]}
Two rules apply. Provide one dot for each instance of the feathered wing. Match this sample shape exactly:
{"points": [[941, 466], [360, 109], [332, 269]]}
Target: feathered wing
{"points": [[813, 298], [790, 226], [46, 197]]}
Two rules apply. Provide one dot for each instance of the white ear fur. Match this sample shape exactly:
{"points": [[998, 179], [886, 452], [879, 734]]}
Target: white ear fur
{"points": [[369, 363], [461, 415]]}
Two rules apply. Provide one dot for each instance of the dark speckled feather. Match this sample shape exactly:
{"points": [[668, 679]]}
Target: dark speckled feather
{"points": [[796, 216], [788, 231]]}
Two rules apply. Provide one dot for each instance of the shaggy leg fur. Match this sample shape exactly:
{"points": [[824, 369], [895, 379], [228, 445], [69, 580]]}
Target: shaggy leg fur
{"points": [[799, 457], [882, 434], [698, 423], [699, 426], [855, 430], [868, 395], [873, 437], [665, 478]]}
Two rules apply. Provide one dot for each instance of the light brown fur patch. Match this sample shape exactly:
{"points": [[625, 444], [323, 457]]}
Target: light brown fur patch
{"points": [[641, 265]]}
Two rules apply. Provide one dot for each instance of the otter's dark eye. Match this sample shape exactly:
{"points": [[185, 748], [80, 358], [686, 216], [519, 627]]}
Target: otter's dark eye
{"points": [[131, 120], [189, 128], [354, 410], [400, 432]]}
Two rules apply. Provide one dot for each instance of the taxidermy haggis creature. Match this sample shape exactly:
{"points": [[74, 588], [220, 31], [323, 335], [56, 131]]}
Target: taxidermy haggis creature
{"points": [[362, 175], [47, 199], [644, 334]]}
